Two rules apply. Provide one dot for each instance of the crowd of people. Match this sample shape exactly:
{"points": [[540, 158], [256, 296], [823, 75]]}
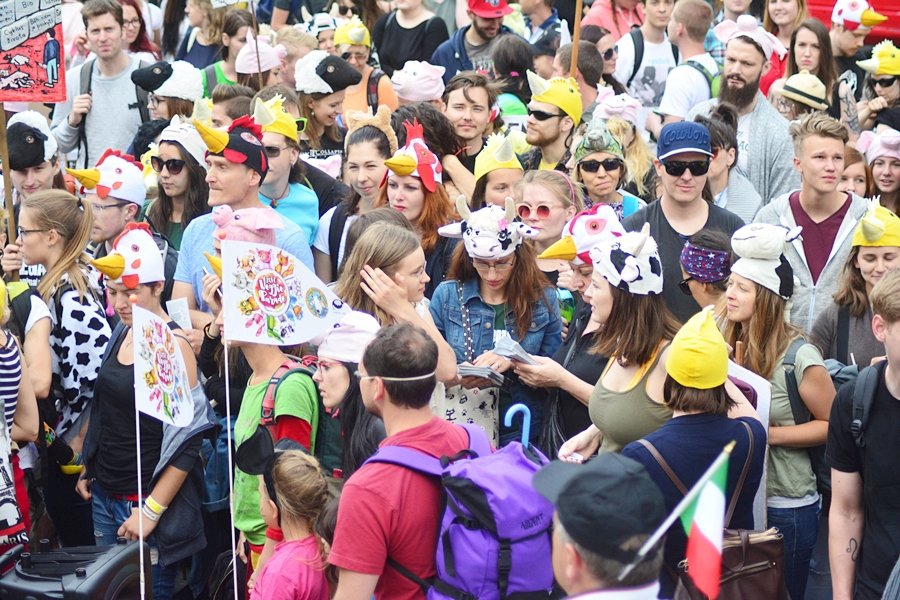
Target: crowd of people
{"points": [[692, 188]]}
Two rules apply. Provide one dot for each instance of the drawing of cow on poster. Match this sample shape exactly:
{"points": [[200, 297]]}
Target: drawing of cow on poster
{"points": [[32, 68]]}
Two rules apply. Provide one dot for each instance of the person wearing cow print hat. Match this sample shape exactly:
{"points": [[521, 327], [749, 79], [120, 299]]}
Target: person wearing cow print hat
{"points": [[236, 166], [635, 330], [495, 284], [322, 80]]}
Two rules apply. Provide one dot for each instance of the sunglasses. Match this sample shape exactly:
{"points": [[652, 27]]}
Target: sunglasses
{"points": [[541, 211], [885, 82], [684, 286], [541, 115], [346, 10], [676, 168], [608, 164], [275, 151], [173, 165], [610, 52]]}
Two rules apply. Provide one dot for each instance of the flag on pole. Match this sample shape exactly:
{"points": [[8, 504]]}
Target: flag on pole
{"points": [[704, 521], [161, 387], [271, 297]]}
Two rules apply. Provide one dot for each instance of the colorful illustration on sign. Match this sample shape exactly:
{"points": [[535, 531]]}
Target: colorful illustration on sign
{"points": [[270, 297], [32, 67], [160, 377]]}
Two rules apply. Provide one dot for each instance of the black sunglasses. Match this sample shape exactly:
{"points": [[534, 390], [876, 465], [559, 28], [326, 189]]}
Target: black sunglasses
{"points": [[676, 168], [885, 82], [610, 52], [608, 164], [684, 285], [346, 10], [173, 165], [542, 115]]}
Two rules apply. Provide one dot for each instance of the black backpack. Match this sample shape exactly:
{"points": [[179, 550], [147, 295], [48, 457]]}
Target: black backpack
{"points": [[637, 36], [864, 391]]}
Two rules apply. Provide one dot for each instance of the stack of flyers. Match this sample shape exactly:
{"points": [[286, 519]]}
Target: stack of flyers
{"points": [[467, 370], [512, 350]]}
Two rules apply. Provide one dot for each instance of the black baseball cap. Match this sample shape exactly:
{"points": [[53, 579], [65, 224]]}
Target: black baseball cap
{"points": [[603, 502]]}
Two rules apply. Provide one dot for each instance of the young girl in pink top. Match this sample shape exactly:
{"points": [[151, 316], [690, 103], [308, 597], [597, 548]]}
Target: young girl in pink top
{"points": [[291, 495]]}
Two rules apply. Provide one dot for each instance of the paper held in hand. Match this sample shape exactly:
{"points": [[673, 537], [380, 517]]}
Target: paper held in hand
{"points": [[511, 349]]}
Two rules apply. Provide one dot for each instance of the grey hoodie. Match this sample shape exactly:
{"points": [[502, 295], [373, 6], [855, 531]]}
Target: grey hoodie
{"points": [[810, 299]]}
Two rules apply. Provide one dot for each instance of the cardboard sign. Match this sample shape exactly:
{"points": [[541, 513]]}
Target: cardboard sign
{"points": [[32, 68]]}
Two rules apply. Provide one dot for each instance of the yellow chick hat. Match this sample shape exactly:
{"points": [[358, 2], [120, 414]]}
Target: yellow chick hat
{"points": [[558, 91], [878, 228], [885, 60], [698, 356], [498, 153], [352, 33], [273, 118]]}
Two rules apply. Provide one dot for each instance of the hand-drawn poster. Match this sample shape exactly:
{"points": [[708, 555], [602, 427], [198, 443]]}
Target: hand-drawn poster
{"points": [[32, 68], [161, 387], [270, 297]]}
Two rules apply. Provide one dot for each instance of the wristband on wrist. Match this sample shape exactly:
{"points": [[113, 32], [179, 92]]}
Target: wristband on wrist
{"points": [[155, 506], [208, 334], [145, 510]]}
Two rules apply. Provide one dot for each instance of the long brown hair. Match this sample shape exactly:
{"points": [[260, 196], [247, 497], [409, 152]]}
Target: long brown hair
{"points": [[315, 130], [436, 212], [766, 336], [852, 287], [853, 156], [636, 327], [72, 218], [827, 70], [524, 289]]}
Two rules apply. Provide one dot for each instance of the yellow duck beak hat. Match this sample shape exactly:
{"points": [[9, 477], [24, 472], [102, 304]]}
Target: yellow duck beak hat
{"points": [[558, 91], [352, 33], [885, 60], [135, 258], [851, 14], [273, 118], [698, 356], [878, 228], [498, 153]]}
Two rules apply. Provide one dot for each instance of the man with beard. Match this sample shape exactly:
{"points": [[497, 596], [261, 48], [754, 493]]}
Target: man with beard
{"points": [[553, 114], [470, 47], [851, 22], [764, 145]]}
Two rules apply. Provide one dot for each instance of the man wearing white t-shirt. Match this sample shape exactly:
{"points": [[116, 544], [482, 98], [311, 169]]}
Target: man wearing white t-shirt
{"points": [[689, 83], [646, 56]]}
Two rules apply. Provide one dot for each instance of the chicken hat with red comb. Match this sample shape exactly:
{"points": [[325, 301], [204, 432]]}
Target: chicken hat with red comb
{"points": [[416, 159], [241, 144]]}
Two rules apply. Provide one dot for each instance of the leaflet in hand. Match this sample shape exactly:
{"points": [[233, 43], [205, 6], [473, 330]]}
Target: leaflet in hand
{"points": [[466, 370], [512, 350]]}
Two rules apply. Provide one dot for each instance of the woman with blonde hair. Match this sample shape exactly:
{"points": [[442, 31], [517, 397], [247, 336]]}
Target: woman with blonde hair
{"points": [[761, 283], [202, 44], [54, 229], [781, 18], [640, 179]]}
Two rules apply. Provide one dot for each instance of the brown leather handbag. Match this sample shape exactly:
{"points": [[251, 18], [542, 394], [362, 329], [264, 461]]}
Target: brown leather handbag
{"points": [[752, 561]]}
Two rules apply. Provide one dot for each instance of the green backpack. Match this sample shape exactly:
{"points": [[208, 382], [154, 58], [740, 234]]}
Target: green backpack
{"points": [[714, 81]]}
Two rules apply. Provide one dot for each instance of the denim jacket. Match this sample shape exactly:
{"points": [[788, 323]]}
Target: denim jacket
{"points": [[543, 337]]}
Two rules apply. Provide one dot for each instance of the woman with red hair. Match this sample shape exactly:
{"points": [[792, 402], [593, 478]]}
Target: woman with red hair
{"points": [[135, 32]]}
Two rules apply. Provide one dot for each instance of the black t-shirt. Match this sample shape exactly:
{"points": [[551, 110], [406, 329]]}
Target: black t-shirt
{"points": [[851, 72], [313, 6], [396, 44], [670, 244], [877, 465], [575, 356], [327, 147]]}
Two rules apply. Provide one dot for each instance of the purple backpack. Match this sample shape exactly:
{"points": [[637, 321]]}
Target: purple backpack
{"points": [[494, 537]]}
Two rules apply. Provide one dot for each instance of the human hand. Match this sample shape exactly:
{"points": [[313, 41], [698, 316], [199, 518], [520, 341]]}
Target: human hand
{"points": [[566, 277], [11, 261], [81, 105], [498, 363], [130, 528], [547, 373], [211, 293], [195, 337], [877, 104], [241, 554], [83, 486], [581, 446], [384, 292], [81, 44]]}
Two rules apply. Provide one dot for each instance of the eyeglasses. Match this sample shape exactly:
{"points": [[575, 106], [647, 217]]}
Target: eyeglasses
{"points": [[173, 165], [541, 211], [99, 208], [684, 286], [885, 82], [131, 23], [608, 164], [676, 168], [301, 124], [542, 115], [153, 100], [610, 52], [275, 151], [357, 56], [23, 232], [500, 265]]}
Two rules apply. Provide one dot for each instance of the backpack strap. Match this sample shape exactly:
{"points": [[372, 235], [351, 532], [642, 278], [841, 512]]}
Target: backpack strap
{"points": [[267, 411], [372, 89], [864, 391], [798, 408], [87, 70], [209, 77], [335, 232], [406, 457], [664, 466], [843, 334], [706, 74], [143, 96], [675, 53], [637, 36]]}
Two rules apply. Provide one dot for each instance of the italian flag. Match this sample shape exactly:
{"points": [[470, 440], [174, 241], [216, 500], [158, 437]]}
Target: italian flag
{"points": [[704, 520]]}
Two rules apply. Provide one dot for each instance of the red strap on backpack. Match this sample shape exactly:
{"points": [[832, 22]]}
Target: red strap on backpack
{"points": [[267, 411]]}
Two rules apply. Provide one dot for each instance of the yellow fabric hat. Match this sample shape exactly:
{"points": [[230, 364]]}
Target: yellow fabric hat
{"points": [[560, 92], [352, 33], [878, 228], [273, 118], [698, 356], [498, 153]]}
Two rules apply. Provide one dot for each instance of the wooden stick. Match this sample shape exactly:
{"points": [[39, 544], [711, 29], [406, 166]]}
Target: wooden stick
{"points": [[739, 353], [256, 39], [576, 37], [7, 188]]}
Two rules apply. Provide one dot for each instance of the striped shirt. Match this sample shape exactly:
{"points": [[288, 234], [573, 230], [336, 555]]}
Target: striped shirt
{"points": [[10, 378]]}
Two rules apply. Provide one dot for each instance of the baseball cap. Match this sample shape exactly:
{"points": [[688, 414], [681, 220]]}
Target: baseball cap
{"points": [[489, 9], [603, 502], [682, 137]]}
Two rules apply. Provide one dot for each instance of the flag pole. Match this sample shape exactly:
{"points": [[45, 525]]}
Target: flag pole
{"points": [[137, 436], [679, 508], [234, 578]]}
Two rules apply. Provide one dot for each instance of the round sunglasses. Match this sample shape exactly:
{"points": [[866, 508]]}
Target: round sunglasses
{"points": [[541, 211], [173, 165]]}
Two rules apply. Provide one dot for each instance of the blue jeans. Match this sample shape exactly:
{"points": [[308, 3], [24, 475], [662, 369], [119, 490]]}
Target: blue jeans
{"points": [[800, 528], [109, 514]]}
